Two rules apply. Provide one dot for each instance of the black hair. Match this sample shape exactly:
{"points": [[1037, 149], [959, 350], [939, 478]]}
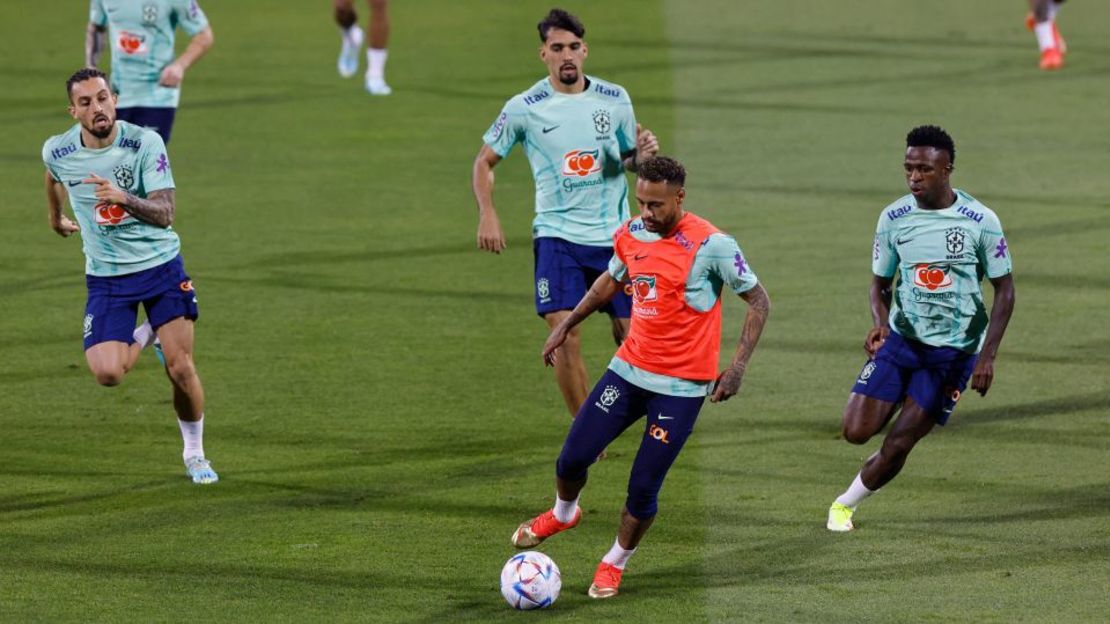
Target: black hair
{"points": [[82, 75], [558, 18], [662, 169], [932, 136]]}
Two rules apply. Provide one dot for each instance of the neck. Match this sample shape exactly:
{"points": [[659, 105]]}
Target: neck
{"points": [[91, 141], [946, 200], [568, 89]]}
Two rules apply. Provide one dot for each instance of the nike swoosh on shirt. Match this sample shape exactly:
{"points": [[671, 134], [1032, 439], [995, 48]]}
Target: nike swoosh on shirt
{"points": [[903, 242], [662, 417], [546, 130], [74, 183], [638, 257]]}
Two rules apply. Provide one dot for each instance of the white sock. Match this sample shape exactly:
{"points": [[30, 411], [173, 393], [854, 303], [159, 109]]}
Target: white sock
{"points": [[564, 510], [1045, 37], [855, 493], [617, 556], [351, 35], [193, 435], [375, 59], [144, 334]]}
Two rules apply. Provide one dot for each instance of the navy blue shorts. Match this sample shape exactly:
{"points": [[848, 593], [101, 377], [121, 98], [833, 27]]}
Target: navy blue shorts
{"points": [[165, 291], [158, 119], [613, 406], [566, 270], [933, 376]]}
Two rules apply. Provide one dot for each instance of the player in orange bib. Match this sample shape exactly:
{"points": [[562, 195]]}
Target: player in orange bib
{"points": [[678, 265]]}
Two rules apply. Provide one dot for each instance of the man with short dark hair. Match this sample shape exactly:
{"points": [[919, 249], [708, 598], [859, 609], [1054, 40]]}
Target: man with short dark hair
{"points": [[580, 135], [931, 331], [678, 265], [120, 187]]}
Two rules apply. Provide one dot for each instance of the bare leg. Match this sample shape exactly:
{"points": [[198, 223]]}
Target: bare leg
{"points": [[110, 361], [345, 14], [912, 425], [379, 24], [177, 345], [1039, 9], [865, 416], [620, 329], [570, 370]]}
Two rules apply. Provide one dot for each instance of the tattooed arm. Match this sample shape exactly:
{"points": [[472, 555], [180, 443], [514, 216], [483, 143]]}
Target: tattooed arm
{"points": [[759, 307], [157, 208]]}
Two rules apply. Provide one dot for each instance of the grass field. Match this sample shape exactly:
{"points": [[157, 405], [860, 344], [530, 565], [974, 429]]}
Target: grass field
{"points": [[376, 404]]}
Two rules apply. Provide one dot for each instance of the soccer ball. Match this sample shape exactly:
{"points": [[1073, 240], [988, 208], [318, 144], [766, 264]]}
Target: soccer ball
{"points": [[530, 580]]}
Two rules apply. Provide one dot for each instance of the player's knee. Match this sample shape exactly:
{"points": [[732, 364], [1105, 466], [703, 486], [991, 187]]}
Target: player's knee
{"points": [[109, 377], [856, 434], [572, 466], [642, 502], [181, 369]]}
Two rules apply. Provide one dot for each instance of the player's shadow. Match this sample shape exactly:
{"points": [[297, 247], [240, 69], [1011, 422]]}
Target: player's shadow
{"points": [[1035, 409], [37, 502]]}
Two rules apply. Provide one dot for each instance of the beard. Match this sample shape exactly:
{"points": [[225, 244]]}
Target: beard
{"points": [[101, 133], [568, 76]]}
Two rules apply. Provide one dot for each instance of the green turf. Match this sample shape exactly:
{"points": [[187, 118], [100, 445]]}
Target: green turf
{"points": [[376, 404]]}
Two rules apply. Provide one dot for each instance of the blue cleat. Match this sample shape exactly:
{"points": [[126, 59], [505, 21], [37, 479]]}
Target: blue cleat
{"points": [[158, 352], [200, 470]]}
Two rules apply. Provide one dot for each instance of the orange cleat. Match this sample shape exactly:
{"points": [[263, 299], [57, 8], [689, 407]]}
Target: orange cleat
{"points": [[1030, 21], [1052, 59], [543, 526], [606, 581]]}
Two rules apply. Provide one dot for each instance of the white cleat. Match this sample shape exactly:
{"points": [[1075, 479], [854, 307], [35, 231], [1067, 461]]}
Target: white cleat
{"points": [[377, 87], [349, 53], [200, 470]]}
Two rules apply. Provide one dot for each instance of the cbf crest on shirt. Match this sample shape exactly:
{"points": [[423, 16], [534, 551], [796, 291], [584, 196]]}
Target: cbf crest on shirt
{"points": [[574, 144], [141, 34], [940, 258], [114, 241]]}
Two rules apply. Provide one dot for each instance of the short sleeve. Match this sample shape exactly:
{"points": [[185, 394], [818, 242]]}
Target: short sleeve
{"points": [[884, 257], [727, 262], [626, 126], [190, 16], [97, 14], [618, 270], [993, 251], [154, 164], [46, 161], [507, 130]]}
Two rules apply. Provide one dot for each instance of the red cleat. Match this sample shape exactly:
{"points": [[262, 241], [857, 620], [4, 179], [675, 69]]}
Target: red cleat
{"points": [[1052, 59], [606, 581], [543, 526]]}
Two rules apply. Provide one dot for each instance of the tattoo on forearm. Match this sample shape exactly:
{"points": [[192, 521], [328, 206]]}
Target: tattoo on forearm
{"points": [[759, 306], [156, 208]]}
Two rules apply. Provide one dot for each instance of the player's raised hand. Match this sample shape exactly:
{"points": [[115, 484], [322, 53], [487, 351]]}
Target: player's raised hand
{"points": [[982, 375], [490, 236], [647, 145], [105, 190], [172, 75], [876, 336], [64, 227], [555, 340]]}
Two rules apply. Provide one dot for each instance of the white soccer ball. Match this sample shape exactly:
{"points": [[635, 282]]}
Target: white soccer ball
{"points": [[530, 580]]}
